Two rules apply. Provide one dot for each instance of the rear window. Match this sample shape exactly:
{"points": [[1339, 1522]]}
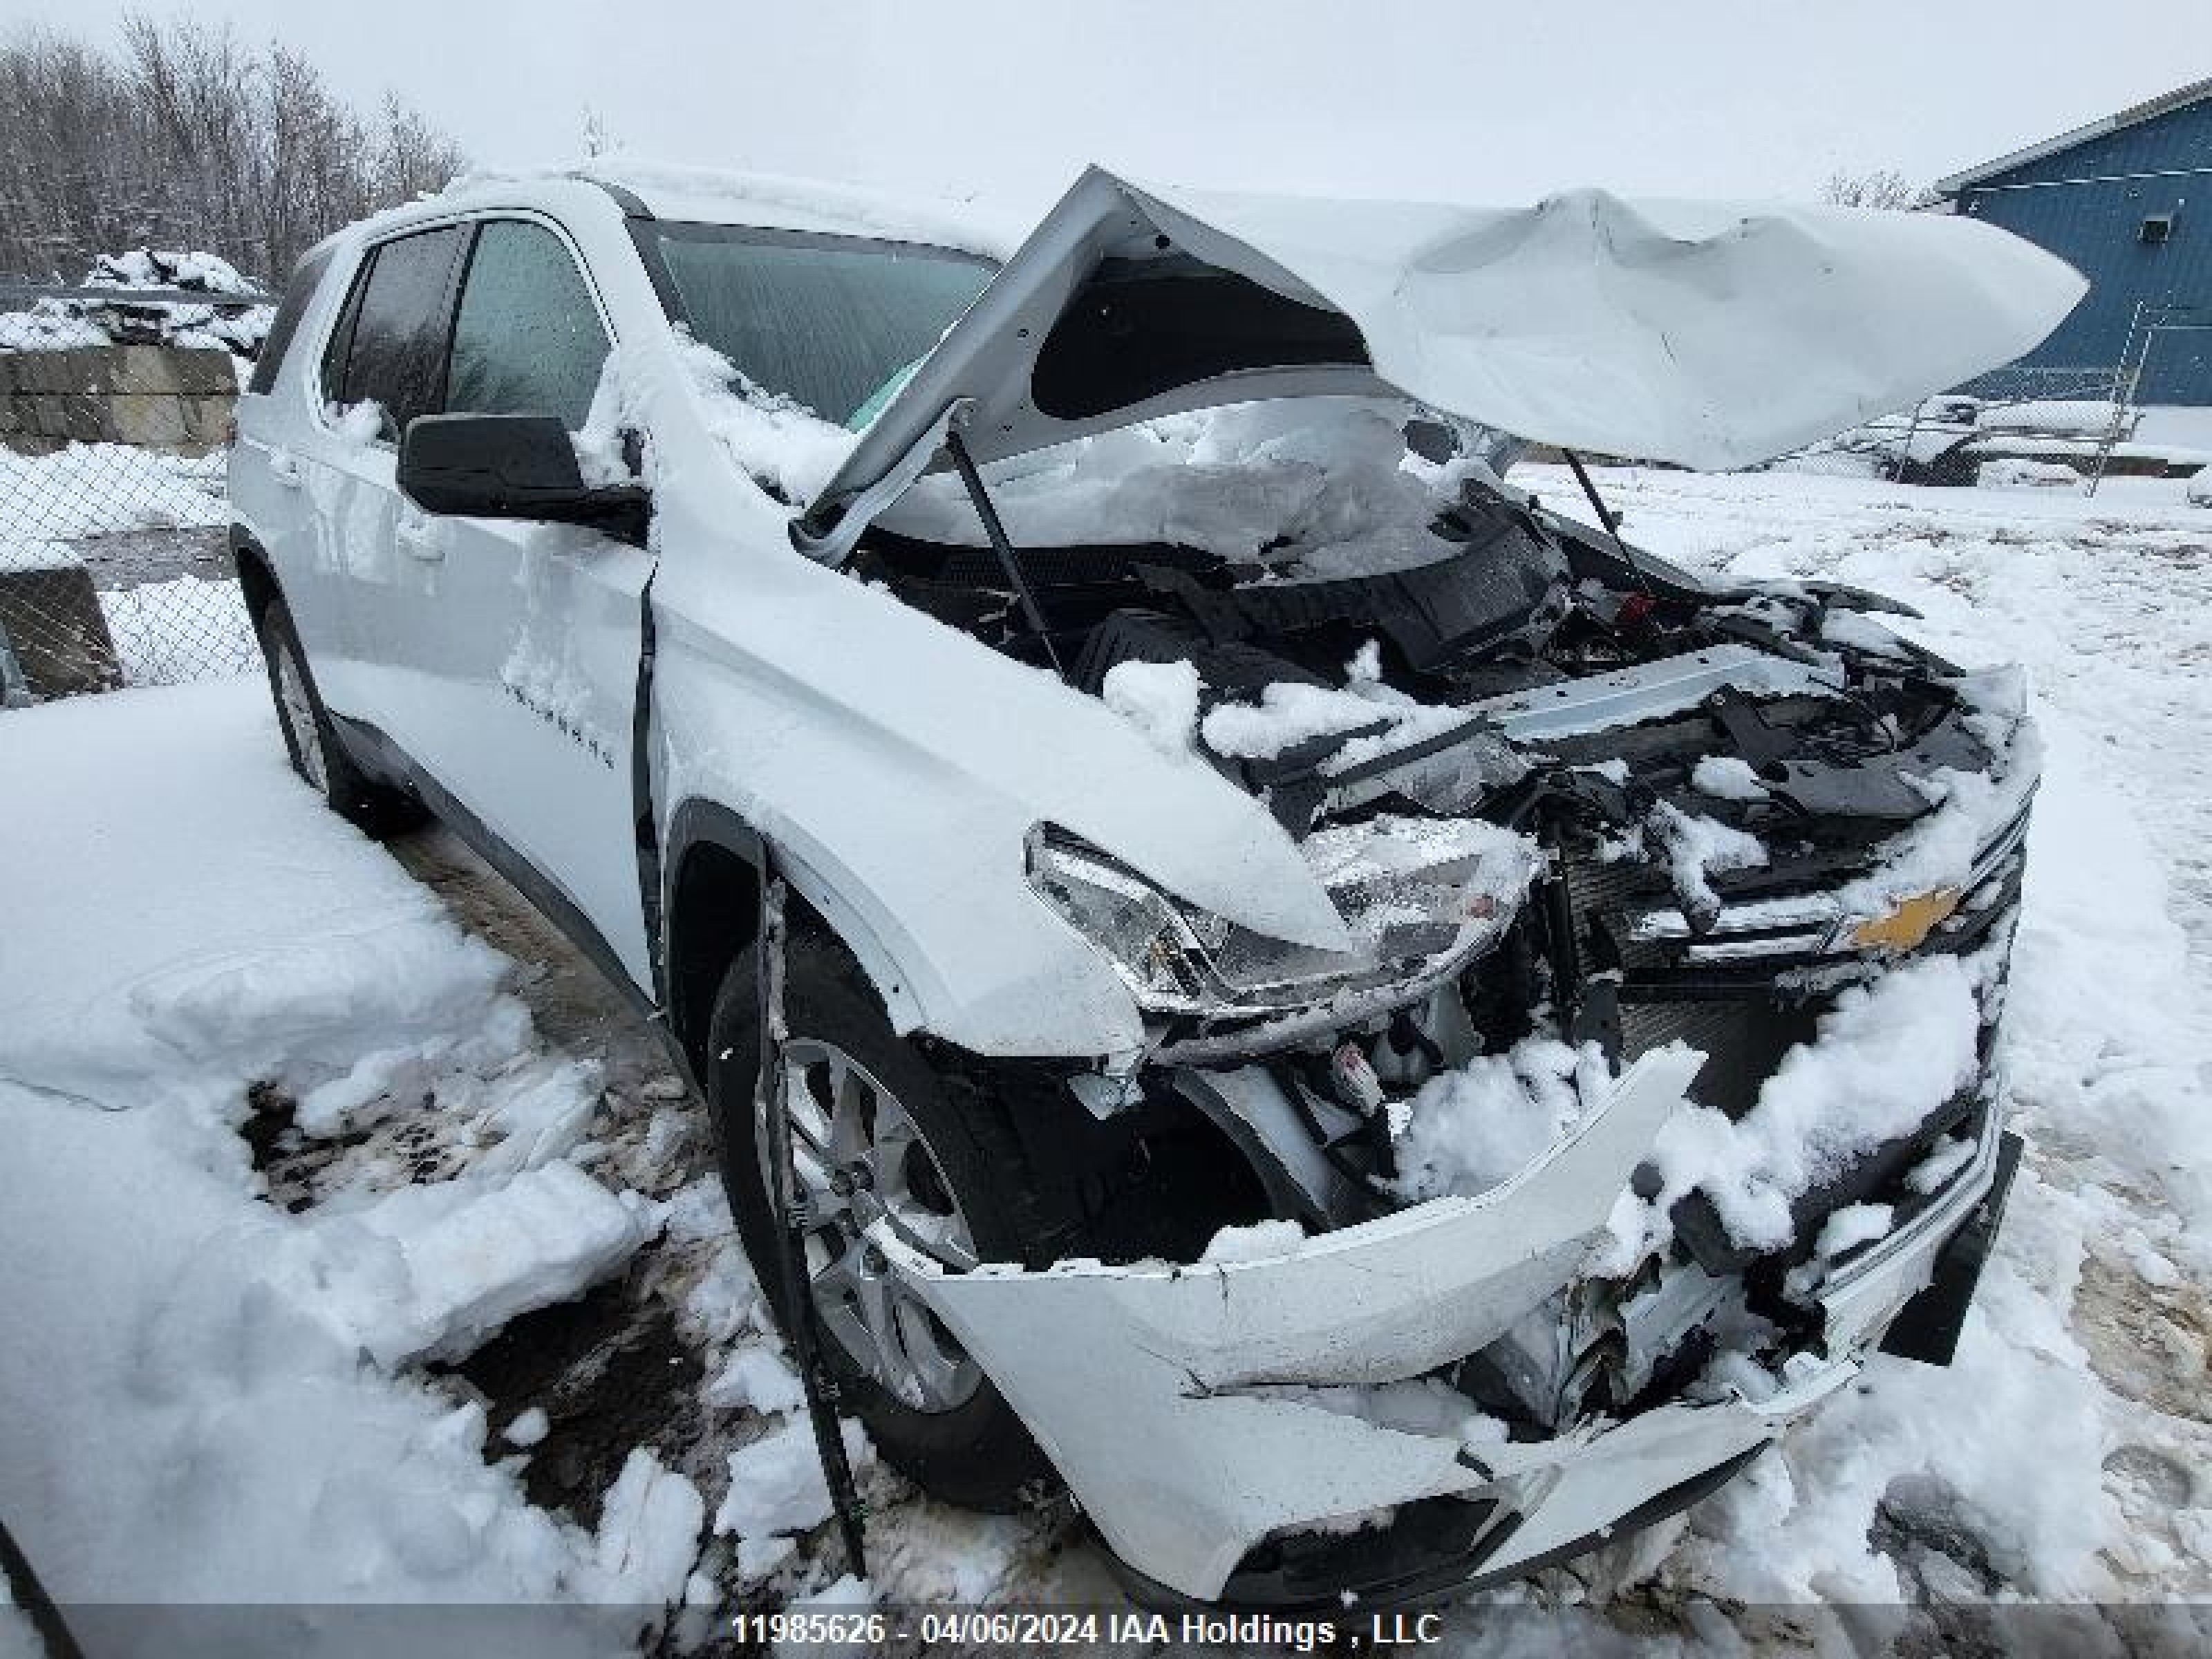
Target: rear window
{"points": [[390, 346], [833, 323], [307, 277]]}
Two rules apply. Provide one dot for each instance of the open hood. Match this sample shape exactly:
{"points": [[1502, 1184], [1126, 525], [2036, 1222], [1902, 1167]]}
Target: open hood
{"points": [[1704, 334]]}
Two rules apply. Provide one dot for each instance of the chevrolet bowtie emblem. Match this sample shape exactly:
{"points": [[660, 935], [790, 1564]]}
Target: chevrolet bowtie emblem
{"points": [[1909, 922]]}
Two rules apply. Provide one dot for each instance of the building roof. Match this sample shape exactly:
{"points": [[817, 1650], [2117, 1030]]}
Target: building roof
{"points": [[2179, 98]]}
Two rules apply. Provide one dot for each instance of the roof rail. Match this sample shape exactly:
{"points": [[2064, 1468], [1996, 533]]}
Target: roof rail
{"points": [[632, 204]]}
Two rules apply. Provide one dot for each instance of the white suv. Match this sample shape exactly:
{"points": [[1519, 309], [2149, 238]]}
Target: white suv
{"points": [[1266, 897]]}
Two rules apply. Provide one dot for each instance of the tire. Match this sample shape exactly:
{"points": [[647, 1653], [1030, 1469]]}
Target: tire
{"points": [[311, 741], [974, 1453]]}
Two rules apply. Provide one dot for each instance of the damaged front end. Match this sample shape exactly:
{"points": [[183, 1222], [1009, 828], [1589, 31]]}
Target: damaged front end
{"points": [[1534, 1203], [1448, 1255]]}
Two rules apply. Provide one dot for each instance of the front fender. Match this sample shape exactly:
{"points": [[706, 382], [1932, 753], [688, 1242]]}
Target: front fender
{"points": [[898, 766]]}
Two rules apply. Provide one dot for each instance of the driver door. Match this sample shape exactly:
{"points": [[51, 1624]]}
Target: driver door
{"points": [[517, 674]]}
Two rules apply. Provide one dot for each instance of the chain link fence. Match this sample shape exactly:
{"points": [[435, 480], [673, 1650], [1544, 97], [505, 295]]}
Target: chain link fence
{"points": [[2065, 428], [115, 568]]}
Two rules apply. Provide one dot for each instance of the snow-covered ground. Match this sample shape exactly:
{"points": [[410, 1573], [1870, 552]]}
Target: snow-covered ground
{"points": [[347, 1256]]}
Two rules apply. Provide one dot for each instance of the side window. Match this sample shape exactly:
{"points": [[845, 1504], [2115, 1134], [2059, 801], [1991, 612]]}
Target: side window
{"points": [[341, 341], [307, 277], [527, 339], [394, 334]]}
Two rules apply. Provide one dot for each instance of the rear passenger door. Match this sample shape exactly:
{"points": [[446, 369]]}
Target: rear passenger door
{"points": [[386, 348], [514, 660]]}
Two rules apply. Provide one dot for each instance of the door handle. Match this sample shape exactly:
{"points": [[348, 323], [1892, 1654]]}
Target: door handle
{"points": [[421, 537], [284, 467]]}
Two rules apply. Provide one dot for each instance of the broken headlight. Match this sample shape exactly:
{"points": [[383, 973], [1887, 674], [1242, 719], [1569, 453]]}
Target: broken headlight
{"points": [[1420, 896], [1175, 958]]}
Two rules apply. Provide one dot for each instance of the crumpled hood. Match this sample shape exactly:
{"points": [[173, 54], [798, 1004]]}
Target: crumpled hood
{"points": [[1710, 335]]}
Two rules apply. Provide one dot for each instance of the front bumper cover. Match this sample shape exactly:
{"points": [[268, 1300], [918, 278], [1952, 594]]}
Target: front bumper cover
{"points": [[1158, 1390]]}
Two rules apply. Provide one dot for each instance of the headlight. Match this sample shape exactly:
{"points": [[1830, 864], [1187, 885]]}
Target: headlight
{"points": [[1417, 894]]}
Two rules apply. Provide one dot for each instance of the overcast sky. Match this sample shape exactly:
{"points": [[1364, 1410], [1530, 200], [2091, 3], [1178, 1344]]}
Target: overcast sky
{"points": [[1360, 97]]}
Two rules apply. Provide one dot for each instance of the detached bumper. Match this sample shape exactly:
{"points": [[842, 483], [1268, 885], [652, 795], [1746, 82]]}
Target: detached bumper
{"points": [[1168, 1396]]}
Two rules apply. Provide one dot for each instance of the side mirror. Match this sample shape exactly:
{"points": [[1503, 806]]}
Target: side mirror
{"points": [[509, 466]]}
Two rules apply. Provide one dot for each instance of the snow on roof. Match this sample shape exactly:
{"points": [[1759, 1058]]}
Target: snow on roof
{"points": [[2133, 115], [782, 202]]}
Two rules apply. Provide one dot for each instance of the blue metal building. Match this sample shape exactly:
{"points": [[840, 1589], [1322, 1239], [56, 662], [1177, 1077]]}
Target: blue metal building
{"points": [[2128, 202]]}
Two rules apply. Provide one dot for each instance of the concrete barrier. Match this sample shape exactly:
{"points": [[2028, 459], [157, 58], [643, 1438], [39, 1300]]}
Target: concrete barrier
{"points": [[155, 397]]}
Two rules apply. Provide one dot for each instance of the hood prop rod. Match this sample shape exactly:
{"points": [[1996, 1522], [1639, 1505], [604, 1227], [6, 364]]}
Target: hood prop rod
{"points": [[1605, 517], [1009, 561]]}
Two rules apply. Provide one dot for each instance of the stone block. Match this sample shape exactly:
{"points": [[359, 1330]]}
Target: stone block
{"points": [[150, 419], [140, 369], [207, 421], [82, 417], [200, 374]]}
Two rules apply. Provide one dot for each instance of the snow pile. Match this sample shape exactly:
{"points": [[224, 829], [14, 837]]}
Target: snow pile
{"points": [[2009, 472], [1317, 487], [1883, 1059], [63, 324], [847, 1596], [430, 1271], [1467, 1130], [48, 326], [1727, 777], [1257, 1243], [196, 1421], [1853, 1225], [16, 556], [1696, 847], [527, 1428], [2199, 493], [99, 489], [1940, 850], [1293, 712], [648, 1533], [676, 190], [358, 425], [2085, 416], [780, 444], [1160, 699], [756, 1378], [185, 628], [237, 330], [776, 1484]]}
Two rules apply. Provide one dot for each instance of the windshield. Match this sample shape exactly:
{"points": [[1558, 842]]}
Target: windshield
{"points": [[833, 322]]}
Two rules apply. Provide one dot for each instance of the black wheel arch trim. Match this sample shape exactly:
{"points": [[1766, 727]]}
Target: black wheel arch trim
{"points": [[247, 555]]}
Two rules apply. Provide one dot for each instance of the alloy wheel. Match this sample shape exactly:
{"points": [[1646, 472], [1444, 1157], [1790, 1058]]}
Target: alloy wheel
{"points": [[859, 1159], [297, 710]]}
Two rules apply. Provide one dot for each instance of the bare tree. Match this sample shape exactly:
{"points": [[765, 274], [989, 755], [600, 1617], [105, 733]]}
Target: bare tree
{"points": [[1885, 187], [598, 141], [187, 138]]}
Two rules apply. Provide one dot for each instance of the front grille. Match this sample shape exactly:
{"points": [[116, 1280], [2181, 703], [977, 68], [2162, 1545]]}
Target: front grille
{"points": [[1746, 1004], [1743, 1041]]}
